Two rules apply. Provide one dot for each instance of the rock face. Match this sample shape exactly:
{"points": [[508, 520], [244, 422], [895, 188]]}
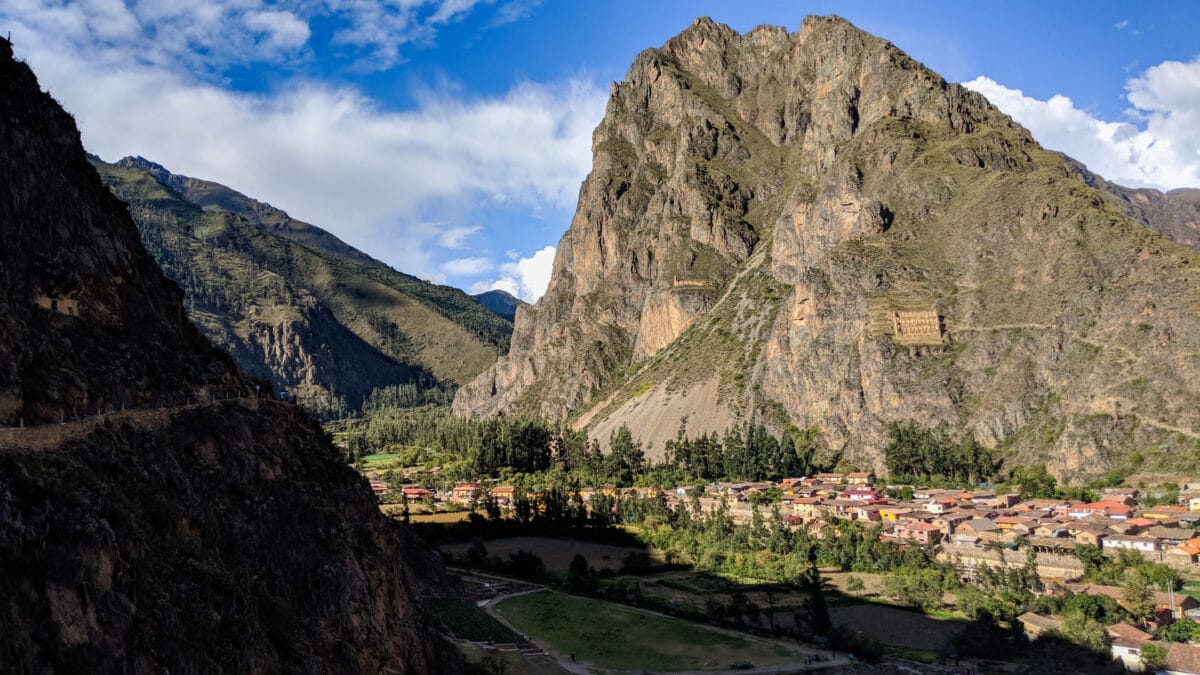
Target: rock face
{"points": [[295, 305], [225, 535], [770, 216]]}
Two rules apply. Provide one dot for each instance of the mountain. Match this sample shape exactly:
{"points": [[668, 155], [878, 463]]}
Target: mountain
{"points": [[296, 305], [501, 302], [1174, 214], [811, 229], [190, 526]]}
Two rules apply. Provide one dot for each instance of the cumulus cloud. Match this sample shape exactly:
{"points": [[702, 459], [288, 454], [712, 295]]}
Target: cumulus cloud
{"points": [[390, 182], [1158, 144], [526, 277]]}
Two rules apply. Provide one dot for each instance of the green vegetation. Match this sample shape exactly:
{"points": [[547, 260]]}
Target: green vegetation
{"points": [[248, 272], [917, 454], [611, 636]]}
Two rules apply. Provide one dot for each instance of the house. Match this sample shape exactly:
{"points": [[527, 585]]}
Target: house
{"points": [[1164, 512], [380, 488], [1170, 535], [805, 507], [1036, 624], [891, 514], [921, 533], [949, 522], [1016, 524], [1149, 547], [977, 527], [858, 478], [1115, 510], [1181, 658], [941, 504], [463, 493], [861, 494], [1126, 647], [503, 494], [1183, 556], [414, 493]]}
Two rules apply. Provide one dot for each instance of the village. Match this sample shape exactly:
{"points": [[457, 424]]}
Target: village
{"points": [[969, 529]]}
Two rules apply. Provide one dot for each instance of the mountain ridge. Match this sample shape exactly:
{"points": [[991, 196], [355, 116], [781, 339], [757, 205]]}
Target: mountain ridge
{"points": [[296, 305], [760, 203]]}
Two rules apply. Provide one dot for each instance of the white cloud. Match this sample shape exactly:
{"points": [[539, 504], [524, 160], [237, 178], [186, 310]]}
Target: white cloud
{"points": [[389, 182], [454, 237], [526, 278], [467, 267], [284, 30], [1160, 148], [1122, 24]]}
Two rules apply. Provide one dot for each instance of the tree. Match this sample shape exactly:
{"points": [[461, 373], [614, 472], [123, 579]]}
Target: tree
{"points": [[1153, 656], [580, 577], [625, 457], [1139, 597], [1184, 630], [526, 564], [1087, 633], [919, 588], [854, 584]]}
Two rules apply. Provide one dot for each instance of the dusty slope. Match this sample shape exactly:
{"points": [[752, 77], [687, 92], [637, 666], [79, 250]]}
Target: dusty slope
{"points": [[760, 206]]}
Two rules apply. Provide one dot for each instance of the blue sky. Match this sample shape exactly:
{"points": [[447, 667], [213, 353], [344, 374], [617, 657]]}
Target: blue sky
{"points": [[449, 137]]}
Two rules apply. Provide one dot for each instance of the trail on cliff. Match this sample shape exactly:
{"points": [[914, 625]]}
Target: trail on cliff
{"points": [[809, 218]]}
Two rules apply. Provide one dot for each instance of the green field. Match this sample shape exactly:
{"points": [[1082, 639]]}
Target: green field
{"points": [[612, 636], [469, 622], [1192, 588], [374, 461]]}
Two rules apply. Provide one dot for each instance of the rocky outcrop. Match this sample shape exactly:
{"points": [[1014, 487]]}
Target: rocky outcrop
{"points": [[199, 530], [763, 208]]}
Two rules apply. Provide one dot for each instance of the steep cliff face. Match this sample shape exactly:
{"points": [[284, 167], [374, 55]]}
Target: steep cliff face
{"points": [[294, 304], [812, 229], [197, 530]]}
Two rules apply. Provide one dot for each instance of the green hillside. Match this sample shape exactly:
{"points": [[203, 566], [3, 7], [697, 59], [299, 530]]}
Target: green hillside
{"points": [[294, 304]]}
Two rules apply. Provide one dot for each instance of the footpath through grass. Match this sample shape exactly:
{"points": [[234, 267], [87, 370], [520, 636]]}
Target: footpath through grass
{"points": [[611, 636]]}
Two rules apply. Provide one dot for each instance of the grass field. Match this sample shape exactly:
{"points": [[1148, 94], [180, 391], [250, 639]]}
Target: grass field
{"points": [[1192, 588], [469, 622], [373, 461], [612, 636]]}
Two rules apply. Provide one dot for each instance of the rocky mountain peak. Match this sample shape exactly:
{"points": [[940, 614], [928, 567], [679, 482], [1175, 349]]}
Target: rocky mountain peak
{"points": [[760, 203]]}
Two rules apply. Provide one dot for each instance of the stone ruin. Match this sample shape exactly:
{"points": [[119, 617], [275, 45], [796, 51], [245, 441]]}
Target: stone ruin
{"points": [[921, 327], [64, 306]]}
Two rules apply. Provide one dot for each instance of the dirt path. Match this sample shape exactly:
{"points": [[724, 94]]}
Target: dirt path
{"points": [[43, 437]]}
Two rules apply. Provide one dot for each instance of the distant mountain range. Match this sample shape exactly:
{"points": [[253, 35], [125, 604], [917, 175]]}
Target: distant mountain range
{"points": [[501, 302], [294, 304]]}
